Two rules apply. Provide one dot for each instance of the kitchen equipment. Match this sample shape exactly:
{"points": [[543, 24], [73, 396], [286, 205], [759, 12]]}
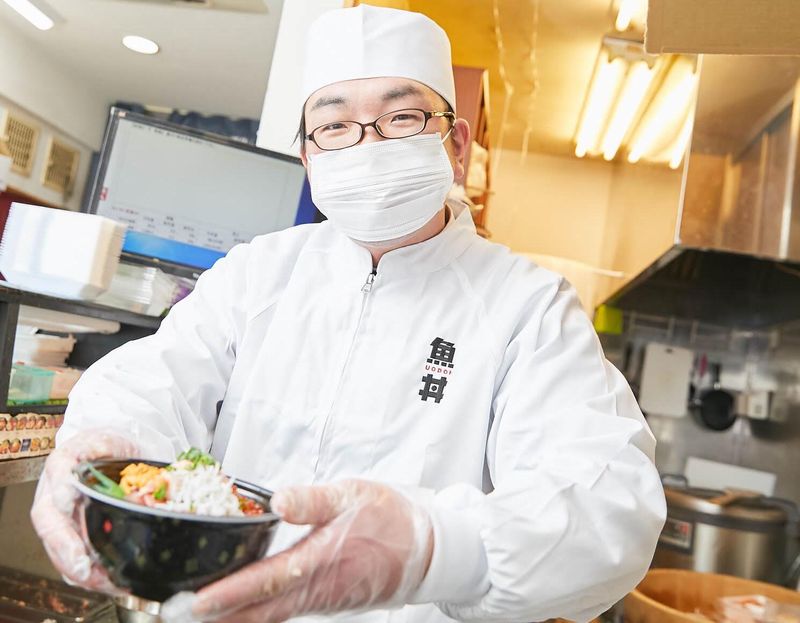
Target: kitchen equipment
{"points": [[754, 404], [25, 597], [132, 609], [715, 406], [156, 553], [678, 596], [734, 532], [708, 474], [722, 241], [665, 379]]}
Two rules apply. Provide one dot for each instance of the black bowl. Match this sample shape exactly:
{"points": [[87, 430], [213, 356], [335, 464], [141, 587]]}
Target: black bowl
{"points": [[156, 553]]}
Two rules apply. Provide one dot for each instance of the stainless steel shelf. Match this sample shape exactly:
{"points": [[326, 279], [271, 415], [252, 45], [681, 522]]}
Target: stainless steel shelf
{"points": [[15, 471], [81, 308]]}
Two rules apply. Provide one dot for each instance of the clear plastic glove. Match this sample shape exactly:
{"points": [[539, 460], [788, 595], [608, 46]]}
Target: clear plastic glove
{"points": [[370, 546], [55, 512]]}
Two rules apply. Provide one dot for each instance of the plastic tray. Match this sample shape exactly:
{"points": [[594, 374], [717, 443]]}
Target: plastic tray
{"points": [[29, 384]]}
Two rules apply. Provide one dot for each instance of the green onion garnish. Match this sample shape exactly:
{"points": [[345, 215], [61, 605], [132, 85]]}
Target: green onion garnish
{"points": [[197, 457], [161, 493], [106, 485]]}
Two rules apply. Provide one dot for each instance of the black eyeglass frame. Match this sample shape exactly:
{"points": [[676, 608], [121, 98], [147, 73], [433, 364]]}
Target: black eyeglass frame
{"points": [[429, 114]]}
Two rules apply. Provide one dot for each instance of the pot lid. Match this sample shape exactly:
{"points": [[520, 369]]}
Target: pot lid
{"points": [[733, 504]]}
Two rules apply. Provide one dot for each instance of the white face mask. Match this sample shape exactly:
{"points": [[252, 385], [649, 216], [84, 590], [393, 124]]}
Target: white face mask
{"points": [[384, 190]]}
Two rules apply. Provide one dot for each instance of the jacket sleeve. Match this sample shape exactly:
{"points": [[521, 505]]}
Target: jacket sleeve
{"points": [[162, 391], [577, 506]]}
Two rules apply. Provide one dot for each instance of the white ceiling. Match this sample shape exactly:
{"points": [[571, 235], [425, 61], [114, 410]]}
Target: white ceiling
{"points": [[212, 61]]}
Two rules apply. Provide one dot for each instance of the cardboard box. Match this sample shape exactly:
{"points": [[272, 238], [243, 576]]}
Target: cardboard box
{"points": [[723, 27], [27, 434]]}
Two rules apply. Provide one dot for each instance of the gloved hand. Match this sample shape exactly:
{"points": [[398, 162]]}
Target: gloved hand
{"points": [[370, 546], [55, 514]]}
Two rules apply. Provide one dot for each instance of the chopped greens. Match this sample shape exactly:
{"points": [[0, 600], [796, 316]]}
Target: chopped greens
{"points": [[160, 494], [106, 485], [197, 457]]}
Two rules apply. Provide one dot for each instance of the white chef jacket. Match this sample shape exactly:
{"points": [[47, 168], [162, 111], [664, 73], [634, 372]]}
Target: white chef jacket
{"points": [[466, 374]]}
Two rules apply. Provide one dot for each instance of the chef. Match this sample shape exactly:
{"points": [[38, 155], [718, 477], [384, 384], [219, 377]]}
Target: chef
{"points": [[435, 411]]}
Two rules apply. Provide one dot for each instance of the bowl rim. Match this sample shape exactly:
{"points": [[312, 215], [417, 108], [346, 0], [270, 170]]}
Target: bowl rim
{"points": [[134, 507]]}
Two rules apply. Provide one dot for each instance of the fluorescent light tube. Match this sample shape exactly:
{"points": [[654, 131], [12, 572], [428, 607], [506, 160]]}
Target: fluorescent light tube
{"points": [[668, 108], [32, 13], [631, 12], [627, 9], [630, 100], [605, 85]]}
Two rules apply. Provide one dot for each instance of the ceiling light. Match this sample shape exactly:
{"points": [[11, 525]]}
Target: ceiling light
{"points": [[630, 101], [602, 93], [32, 13], [682, 142], [625, 14], [140, 44], [667, 110], [630, 11]]}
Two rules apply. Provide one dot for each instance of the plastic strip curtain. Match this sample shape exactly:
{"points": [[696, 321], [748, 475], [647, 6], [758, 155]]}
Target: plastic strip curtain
{"points": [[508, 88], [534, 80]]}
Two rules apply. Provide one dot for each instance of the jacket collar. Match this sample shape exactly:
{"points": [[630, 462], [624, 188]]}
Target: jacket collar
{"points": [[424, 257]]}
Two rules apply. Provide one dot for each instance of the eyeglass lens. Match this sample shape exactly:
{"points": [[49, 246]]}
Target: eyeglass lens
{"points": [[395, 124]]}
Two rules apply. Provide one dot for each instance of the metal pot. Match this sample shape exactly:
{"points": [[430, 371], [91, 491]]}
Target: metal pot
{"points": [[732, 532], [132, 609]]}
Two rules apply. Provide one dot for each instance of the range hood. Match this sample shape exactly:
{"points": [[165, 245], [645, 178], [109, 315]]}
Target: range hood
{"points": [[727, 250]]}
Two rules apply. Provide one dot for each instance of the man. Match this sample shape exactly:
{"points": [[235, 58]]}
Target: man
{"points": [[435, 409]]}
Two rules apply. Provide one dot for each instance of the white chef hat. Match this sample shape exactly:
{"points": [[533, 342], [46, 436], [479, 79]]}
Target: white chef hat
{"points": [[376, 42]]}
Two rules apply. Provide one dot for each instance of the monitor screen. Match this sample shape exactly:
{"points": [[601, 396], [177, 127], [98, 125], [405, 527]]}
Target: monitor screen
{"points": [[188, 196]]}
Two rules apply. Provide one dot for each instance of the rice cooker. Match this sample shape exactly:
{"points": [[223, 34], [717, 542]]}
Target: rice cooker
{"points": [[731, 532]]}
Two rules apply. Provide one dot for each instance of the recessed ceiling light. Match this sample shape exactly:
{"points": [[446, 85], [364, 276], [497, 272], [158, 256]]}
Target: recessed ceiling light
{"points": [[140, 44], [32, 13]]}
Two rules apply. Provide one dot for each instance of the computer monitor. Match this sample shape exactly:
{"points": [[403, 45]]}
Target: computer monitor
{"points": [[189, 196]]}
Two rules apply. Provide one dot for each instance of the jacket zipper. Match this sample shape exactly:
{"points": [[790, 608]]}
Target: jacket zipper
{"points": [[367, 287], [365, 290]]}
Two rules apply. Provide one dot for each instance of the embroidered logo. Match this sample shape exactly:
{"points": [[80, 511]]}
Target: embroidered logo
{"points": [[440, 362]]}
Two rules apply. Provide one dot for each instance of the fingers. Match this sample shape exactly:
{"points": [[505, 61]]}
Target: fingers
{"points": [[59, 465], [61, 541], [100, 444], [291, 570], [317, 505], [57, 481], [270, 611], [178, 608], [368, 545], [54, 508], [98, 581], [256, 582]]}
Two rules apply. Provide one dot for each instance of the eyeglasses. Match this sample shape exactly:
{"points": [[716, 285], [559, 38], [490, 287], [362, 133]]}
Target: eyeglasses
{"points": [[396, 124]]}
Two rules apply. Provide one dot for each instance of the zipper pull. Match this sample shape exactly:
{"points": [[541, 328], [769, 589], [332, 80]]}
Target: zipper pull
{"points": [[367, 287]]}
